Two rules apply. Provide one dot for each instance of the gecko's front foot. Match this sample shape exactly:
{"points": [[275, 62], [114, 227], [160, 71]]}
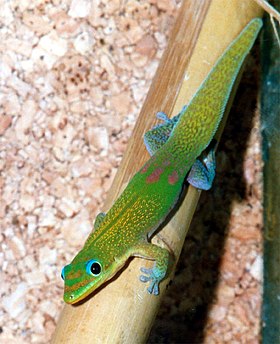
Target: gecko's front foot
{"points": [[163, 117], [150, 276], [159, 271]]}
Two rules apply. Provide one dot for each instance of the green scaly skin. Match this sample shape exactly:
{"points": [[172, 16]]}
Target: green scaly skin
{"points": [[154, 190]]}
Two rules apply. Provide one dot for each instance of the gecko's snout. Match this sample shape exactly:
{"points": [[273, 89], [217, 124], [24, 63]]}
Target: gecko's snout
{"points": [[69, 298]]}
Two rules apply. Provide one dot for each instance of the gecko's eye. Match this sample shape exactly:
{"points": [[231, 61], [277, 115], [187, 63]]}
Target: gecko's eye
{"points": [[63, 273], [93, 267]]}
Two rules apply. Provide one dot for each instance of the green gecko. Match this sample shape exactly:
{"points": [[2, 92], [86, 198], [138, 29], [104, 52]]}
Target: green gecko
{"points": [[175, 146]]}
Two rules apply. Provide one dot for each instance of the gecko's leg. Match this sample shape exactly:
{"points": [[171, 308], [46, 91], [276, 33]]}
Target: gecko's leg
{"points": [[96, 225], [155, 138], [202, 174], [98, 220], [158, 135], [159, 271], [163, 117], [166, 120]]}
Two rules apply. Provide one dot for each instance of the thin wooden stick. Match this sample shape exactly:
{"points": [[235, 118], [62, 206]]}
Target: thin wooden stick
{"points": [[123, 311], [269, 9], [273, 13]]}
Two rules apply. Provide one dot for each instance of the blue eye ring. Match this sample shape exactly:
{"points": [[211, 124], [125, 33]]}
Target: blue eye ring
{"points": [[93, 267], [63, 273]]}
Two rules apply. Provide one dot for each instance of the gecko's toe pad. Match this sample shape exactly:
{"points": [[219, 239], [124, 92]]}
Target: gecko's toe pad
{"points": [[151, 277]]}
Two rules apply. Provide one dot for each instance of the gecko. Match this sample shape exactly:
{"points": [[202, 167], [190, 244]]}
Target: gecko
{"points": [[176, 146]]}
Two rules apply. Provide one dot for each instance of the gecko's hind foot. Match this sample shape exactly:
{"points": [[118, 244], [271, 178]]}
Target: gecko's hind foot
{"points": [[202, 174], [151, 277]]}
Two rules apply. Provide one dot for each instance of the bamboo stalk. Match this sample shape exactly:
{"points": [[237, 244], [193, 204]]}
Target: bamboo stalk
{"points": [[123, 311]]}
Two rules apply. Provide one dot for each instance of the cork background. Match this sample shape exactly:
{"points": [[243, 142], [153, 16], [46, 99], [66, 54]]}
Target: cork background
{"points": [[73, 77]]}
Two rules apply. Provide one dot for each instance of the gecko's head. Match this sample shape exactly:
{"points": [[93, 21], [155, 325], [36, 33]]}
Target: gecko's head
{"points": [[82, 277]]}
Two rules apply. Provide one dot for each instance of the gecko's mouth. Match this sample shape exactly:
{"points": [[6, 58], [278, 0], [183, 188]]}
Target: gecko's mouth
{"points": [[72, 298], [74, 295]]}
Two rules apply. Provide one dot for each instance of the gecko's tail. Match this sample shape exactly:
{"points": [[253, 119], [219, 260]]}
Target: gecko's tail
{"points": [[200, 121]]}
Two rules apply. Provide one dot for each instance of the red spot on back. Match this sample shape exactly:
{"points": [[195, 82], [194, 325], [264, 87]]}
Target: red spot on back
{"points": [[154, 176], [173, 178], [145, 168]]}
